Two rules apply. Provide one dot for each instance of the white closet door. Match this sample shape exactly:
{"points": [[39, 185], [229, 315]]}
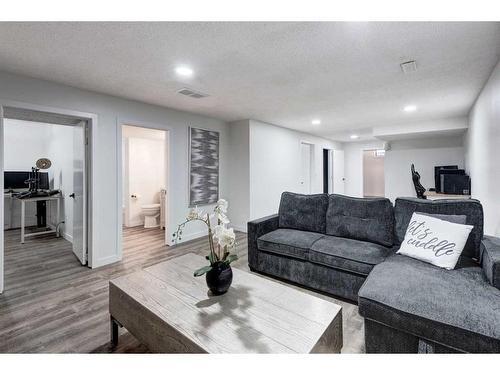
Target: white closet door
{"points": [[305, 164], [2, 203], [79, 194], [338, 172]]}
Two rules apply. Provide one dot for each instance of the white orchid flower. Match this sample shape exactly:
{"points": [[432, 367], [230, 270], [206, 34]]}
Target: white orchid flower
{"points": [[220, 211], [221, 206], [224, 236], [194, 213], [222, 218]]}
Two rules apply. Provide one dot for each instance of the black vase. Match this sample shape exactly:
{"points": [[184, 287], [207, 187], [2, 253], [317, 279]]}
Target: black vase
{"points": [[219, 278]]}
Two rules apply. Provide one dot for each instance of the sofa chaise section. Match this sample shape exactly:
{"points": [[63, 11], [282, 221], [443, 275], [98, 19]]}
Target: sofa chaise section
{"points": [[411, 306], [406, 302]]}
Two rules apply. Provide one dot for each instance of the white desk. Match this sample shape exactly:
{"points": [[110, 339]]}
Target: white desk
{"points": [[56, 198], [432, 195]]}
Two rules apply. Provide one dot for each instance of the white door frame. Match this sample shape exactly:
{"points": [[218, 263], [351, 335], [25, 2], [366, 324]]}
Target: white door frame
{"points": [[119, 159], [92, 121]]}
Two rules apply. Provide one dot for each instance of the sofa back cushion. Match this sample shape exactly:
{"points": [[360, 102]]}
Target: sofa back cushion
{"points": [[471, 208], [364, 219], [303, 212]]}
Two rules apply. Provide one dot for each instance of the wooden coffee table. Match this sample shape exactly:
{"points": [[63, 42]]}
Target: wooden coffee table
{"points": [[170, 311]]}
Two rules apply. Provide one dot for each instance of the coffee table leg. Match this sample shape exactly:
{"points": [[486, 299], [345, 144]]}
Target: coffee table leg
{"points": [[114, 325]]}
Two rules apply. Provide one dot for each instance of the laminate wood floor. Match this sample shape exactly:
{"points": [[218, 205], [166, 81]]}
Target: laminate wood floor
{"points": [[52, 304]]}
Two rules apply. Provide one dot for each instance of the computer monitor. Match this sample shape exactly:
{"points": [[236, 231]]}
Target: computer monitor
{"points": [[437, 177], [16, 180], [458, 184]]}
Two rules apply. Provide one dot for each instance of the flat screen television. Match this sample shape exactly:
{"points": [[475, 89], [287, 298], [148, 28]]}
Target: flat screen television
{"points": [[16, 180], [454, 183], [437, 175]]}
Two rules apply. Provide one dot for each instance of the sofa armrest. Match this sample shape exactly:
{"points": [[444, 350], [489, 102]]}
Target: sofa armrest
{"points": [[255, 229], [490, 259]]}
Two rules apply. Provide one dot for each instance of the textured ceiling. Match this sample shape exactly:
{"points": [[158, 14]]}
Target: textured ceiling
{"points": [[346, 74]]}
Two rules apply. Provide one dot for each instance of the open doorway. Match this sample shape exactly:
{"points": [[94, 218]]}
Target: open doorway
{"points": [[373, 173], [45, 177], [327, 171], [144, 186]]}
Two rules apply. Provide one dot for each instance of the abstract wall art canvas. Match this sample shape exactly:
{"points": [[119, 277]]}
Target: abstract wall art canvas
{"points": [[204, 166]]}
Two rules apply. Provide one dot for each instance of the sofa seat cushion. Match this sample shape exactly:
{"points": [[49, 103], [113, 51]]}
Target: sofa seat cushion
{"points": [[291, 242], [347, 254], [457, 308]]}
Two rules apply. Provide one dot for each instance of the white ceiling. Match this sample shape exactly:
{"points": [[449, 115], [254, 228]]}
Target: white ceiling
{"points": [[346, 74]]}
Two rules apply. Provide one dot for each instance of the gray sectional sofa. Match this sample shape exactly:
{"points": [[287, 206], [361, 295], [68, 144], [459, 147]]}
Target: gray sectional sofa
{"points": [[346, 247]]}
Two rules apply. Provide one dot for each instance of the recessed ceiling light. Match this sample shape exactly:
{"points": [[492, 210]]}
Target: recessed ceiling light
{"points": [[410, 108], [184, 71], [354, 136], [316, 122]]}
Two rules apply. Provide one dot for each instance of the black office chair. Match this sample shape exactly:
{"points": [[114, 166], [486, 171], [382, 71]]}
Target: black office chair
{"points": [[419, 189]]}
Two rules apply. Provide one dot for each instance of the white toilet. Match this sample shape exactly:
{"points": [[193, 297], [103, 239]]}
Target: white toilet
{"points": [[151, 214]]}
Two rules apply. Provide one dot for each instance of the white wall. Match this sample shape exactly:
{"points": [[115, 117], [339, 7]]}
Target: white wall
{"points": [[425, 154], [112, 112], [422, 129], [275, 165], [483, 152], [26, 142], [239, 170]]}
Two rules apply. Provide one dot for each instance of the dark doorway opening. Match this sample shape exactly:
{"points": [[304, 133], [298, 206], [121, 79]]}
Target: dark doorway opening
{"points": [[326, 168]]}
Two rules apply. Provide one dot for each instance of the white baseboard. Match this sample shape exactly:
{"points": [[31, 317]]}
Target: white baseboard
{"points": [[67, 236], [204, 233], [135, 223], [240, 228], [193, 236], [104, 261]]}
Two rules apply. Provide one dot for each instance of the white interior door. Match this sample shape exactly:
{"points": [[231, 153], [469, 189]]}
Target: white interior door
{"points": [[305, 167], [2, 202], [338, 172], [79, 193]]}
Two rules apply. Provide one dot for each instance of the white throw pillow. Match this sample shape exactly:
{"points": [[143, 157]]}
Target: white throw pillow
{"points": [[434, 241]]}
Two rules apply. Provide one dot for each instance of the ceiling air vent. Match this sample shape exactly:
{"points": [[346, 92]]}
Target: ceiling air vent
{"points": [[409, 66], [191, 93]]}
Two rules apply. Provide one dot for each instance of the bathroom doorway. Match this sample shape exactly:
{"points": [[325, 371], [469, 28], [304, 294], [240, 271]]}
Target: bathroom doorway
{"points": [[144, 186]]}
